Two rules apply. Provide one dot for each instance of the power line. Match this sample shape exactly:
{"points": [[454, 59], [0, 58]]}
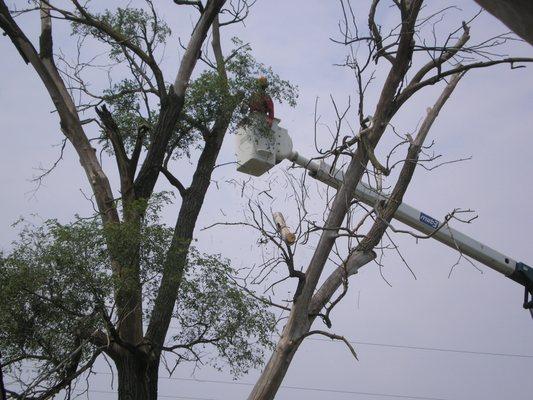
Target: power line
{"points": [[439, 349], [292, 387], [484, 353], [315, 389], [158, 395], [325, 390]]}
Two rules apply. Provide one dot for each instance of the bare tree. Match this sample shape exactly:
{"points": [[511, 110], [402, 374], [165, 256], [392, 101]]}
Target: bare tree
{"points": [[111, 286], [414, 62]]}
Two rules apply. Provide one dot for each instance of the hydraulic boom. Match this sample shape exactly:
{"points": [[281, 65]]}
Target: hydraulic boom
{"points": [[257, 154]]}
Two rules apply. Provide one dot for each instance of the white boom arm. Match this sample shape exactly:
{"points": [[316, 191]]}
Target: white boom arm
{"points": [[258, 153]]}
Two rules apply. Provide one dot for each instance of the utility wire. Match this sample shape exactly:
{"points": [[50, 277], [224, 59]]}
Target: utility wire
{"points": [[248, 384], [158, 395], [439, 349], [291, 387], [325, 390], [483, 353]]}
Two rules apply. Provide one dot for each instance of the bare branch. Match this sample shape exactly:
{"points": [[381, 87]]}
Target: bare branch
{"points": [[113, 133], [448, 53], [376, 34], [411, 89], [406, 174], [332, 336], [196, 3], [174, 181]]}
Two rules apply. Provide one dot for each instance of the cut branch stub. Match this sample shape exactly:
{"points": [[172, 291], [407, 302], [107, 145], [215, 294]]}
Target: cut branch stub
{"points": [[286, 234]]}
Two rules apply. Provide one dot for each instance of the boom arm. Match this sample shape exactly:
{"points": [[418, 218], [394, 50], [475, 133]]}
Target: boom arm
{"points": [[517, 271], [253, 161]]}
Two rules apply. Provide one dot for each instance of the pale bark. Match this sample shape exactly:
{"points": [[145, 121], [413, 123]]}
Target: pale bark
{"points": [[272, 376], [298, 326], [293, 333], [310, 303], [286, 235]]}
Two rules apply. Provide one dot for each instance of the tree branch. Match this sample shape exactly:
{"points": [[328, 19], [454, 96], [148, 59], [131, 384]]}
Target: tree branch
{"points": [[378, 40], [69, 119], [332, 336], [357, 165], [395, 199], [196, 3], [356, 260], [411, 89], [174, 181], [190, 57], [113, 133], [447, 54], [89, 20], [172, 107]]}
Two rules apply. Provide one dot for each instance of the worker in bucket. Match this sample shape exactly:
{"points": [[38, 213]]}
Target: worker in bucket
{"points": [[261, 103]]}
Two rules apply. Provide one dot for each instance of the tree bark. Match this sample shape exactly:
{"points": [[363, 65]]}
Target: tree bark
{"points": [[302, 314], [137, 378], [176, 258], [274, 372]]}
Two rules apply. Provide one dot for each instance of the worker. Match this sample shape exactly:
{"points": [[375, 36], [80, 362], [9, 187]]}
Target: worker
{"points": [[260, 102]]}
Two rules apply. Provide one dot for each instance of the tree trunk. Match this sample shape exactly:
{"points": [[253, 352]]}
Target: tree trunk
{"points": [[274, 372], [137, 378], [272, 376]]}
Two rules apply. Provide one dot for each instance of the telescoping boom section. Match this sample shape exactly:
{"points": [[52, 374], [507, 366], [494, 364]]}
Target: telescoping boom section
{"points": [[256, 154]]}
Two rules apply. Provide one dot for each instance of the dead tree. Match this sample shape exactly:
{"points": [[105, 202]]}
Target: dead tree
{"points": [[413, 63]]}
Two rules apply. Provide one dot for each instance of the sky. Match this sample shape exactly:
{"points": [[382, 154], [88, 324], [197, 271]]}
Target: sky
{"points": [[488, 118]]}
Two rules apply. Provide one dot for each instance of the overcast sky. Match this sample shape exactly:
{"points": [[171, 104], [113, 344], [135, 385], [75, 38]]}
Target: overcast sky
{"points": [[488, 117]]}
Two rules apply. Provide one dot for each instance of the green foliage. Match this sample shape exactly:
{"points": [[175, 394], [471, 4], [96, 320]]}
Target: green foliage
{"points": [[212, 308], [135, 24], [207, 97], [56, 280], [52, 283], [206, 93]]}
